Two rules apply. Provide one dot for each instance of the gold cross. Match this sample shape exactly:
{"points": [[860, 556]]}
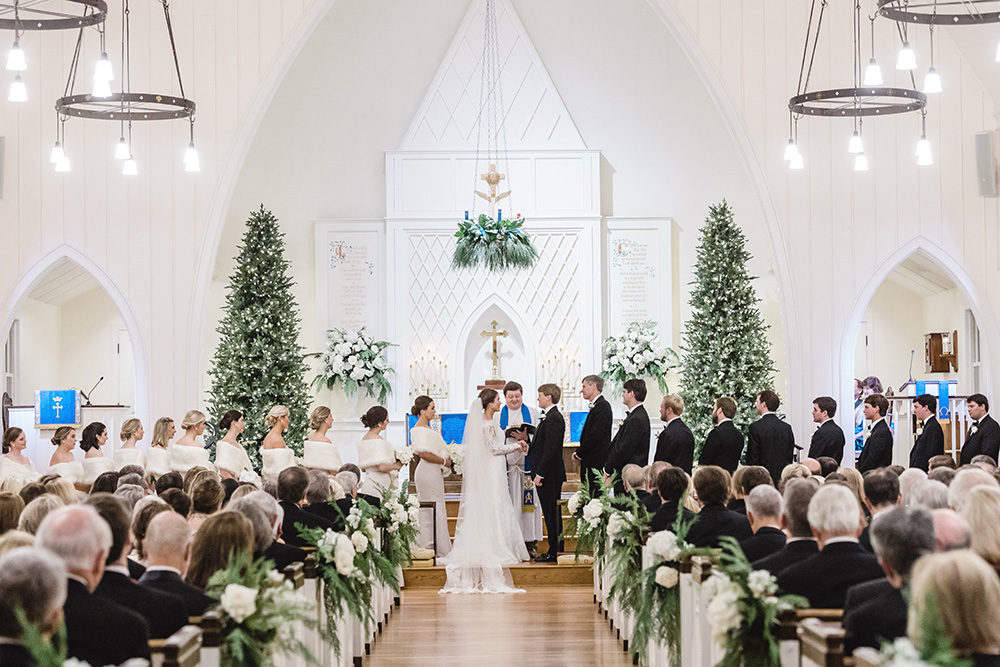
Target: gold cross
{"points": [[494, 334], [493, 178]]}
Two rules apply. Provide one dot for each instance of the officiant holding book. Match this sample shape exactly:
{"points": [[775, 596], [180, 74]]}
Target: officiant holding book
{"points": [[523, 495], [549, 469]]}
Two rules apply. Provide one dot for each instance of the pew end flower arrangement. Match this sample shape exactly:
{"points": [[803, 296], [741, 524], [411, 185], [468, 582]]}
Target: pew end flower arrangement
{"points": [[357, 361], [496, 244], [399, 515], [935, 648], [627, 525], [637, 353], [588, 523]]}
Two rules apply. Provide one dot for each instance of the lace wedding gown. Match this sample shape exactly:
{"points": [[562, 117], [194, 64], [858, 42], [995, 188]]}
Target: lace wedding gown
{"points": [[488, 537]]}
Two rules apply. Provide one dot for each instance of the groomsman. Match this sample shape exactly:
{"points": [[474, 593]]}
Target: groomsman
{"points": [[631, 442], [595, 440], [724, 444], [547, 463], [877, 452], [930, 437], [770, 441], [828, 440], [984, 433], [675, 444]]}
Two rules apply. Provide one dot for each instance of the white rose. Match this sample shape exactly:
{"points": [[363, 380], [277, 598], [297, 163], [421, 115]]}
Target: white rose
{"points": [[761, 583], [344, 555], [593, 510], [352, 360], [615, 525], [351, 336], [413, 514], [360, 542], [573, 504], [239, 602], [276, 577], [357, 374], [663, 546], [724, 611], [667, 576]]}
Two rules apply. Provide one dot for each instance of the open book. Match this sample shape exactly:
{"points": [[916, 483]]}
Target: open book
{"points": [[525, 428]]}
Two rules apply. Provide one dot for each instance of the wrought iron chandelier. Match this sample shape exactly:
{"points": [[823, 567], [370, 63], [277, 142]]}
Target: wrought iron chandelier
{"points": [[867, 97], [943, 12], [125, 106], [42, 15]]}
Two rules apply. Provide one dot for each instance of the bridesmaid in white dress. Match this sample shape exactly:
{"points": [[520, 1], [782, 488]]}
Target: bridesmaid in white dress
{"points": [[158, 462], [319, 453], [15, 463], [273, 450], [376, 456], [95, 435], [187, 452], [128, 453], [230, 457], [62, 462], [430, 473]]}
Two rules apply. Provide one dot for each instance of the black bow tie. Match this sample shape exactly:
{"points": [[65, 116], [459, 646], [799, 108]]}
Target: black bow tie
{"points": [[975, 423]]}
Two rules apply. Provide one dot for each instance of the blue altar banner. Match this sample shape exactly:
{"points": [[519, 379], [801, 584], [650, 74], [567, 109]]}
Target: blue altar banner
{"points": [[943, 395], [452, 426], [59, 407], [576, 421]]}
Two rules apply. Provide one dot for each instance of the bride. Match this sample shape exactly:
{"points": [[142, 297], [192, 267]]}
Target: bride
{"points": [[488, 538]]}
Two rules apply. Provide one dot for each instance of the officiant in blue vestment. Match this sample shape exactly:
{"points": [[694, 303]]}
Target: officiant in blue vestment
{"points": [[522, 491]]}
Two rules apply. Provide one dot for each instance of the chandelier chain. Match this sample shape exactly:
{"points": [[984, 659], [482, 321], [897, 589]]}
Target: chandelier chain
{"points": [[173, 45]]}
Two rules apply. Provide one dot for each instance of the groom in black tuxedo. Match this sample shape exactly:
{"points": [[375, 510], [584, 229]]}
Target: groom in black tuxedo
{"points": [[550, 471]]}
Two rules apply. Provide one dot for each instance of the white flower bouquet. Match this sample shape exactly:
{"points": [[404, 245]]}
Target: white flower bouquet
{"points": [[403, 454], [357, 361], [456, 452], [637, 353]]}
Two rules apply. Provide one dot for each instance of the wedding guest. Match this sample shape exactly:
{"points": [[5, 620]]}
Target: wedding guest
{"points": [[724, 443], [966, 480], [877, 450], [11, 507], [812, 465], [36, 511], [141, 519], [770, 441], [631, 442], [634, 480], [823, 579], [941, 461], [15, 539], [984, 432], [827, 465], [318, 499], [167, 545], [930, 494], [951, 531], [278, 551], [319, 452], [158, 457], [350, 467], [909, 479], [128, 453], [106, 482], [547, 464], [95, 435], [376, 456], [132, 478], [187, 452], [943, 474], [130, 494], [856, 483], [764, 513], [195, 475], [881, 495], [675, 444], [14, 462], [348, 480], [229, 487], [429, 476], [62, 462], [179, 501], [827, 440], [984, 462], [745, 480], [671, 484], [33, 581], [230, 457], [792, 470], [292, 486], [712, 487], [982, 507], [206, 499], [260, 527], [595, 438], [171, 480], [223, 536], [875, 611], [82, 539], [652, 500], [800, 543], [274, 453]]}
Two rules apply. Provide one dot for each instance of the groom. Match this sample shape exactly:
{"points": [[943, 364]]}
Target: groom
{"points": [[550, 471]]}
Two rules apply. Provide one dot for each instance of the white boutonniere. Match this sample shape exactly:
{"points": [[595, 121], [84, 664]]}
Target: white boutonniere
{"points": [[973, 430], [920, 430], [542, 418]]}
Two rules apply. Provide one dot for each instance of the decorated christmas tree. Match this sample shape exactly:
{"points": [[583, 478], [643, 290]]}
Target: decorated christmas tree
{"points": [[725, 351], [259, 362]]}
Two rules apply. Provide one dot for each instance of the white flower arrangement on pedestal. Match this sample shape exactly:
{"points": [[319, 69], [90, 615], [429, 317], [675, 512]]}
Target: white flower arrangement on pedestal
{"points": [[637, 353], [357, 361], [399, 515]]}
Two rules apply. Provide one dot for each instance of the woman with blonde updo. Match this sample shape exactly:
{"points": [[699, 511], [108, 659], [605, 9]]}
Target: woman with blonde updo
{"points": [[376, 456], [188, 452], [273, 450], [128, 453], [14, 463], [230, 457], [319, 452], [429, 476], [158, 458], [62, 462]]}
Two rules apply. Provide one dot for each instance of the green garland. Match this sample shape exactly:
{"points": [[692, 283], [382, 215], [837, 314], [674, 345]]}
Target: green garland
{"points": [[626, 525], [496, 244], [588, 522], [398, 516], [43, 652]]}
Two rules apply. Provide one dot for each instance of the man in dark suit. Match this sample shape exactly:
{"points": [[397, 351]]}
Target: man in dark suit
{"points": [[828, 440], [98, 631], [770, 441], [823, 579], [279, 552], [984, 433], [595, 439], [318, 499], [800, 543], [881, 488], [550, 471], [167, 546], [764, 514], [675, 444], [876, 610], [292, 486], [631, 442], [877, 450], [712, 486], [671, 484], [163, 612], [724, 444], [930, 437], [34, 581]]}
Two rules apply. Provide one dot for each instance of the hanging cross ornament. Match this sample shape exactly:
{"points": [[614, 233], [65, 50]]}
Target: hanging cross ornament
{"points": [[493, 179], [494, 334]]}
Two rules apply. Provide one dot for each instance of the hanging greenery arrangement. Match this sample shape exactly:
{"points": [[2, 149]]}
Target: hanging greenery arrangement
{"points": [[496, 244]]}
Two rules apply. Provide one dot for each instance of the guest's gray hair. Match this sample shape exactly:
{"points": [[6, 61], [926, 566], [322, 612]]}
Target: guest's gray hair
{"points": [[764, 501], [929, 493], [36, 511], [318, 491], [652, 473], [902, 535], [798, 495], [273, 512], [263, 533], [834, 510], [33, 580], [131, 494], [909, 479], [348, 481], [966, 480], [77, 534], [633, 476]]}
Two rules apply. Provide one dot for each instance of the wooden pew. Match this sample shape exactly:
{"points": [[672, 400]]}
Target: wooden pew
{"points": [[866, 657], [181, 649], [211, 624], [295, 574], [788, 630], [821, 643]]}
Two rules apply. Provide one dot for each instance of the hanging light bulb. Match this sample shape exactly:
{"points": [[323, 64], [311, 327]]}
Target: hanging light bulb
{"points": [[998, 54], [191, 162], [860, 162], [122, 151], [18, 91], [855, 145], [130, 168], [796, 162], [924, 155], [873, 74], [791, 150], [62, 166], [103, 71], [907, 59], [101, 89], [15, 58], [57, 153], [932, 82]]}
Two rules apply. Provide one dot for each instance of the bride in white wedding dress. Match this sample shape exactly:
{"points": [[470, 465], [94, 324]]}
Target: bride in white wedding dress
{"points": [[488, 537]]}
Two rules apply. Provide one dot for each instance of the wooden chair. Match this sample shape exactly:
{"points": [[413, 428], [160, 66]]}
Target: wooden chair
{"points": [[821, 643], [181, 649]]}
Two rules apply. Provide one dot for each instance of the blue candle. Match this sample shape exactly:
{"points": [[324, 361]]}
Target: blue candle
{"points": [[499, 214], [466, 215]]}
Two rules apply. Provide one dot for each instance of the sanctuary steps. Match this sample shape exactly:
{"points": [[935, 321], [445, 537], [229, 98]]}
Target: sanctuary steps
{"points": [[525, 575]]}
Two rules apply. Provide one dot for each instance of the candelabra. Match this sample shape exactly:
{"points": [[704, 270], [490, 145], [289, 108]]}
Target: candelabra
{"points": [[565, 373], [428, 376]]}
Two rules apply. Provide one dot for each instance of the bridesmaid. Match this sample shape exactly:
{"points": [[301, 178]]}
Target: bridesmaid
{"points": [[273, 450], [62, 462], [128, 453], [319, 453], [429, 476], [15, 463], [376, 456], [159, 453], [188, 452], [95, 435], [230, 457]]}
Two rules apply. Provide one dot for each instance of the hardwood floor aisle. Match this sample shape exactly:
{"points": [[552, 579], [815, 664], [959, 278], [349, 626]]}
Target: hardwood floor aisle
{"points": [[551, 626]]}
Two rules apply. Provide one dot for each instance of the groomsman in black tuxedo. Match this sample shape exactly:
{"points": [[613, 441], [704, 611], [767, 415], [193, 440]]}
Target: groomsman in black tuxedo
{"points": [[828, 440], [550, 471], [724, 444], [984, 433], [770, 441], [930, 437], [877, 452], [595, 440], [631, 442], [675, 444]]}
